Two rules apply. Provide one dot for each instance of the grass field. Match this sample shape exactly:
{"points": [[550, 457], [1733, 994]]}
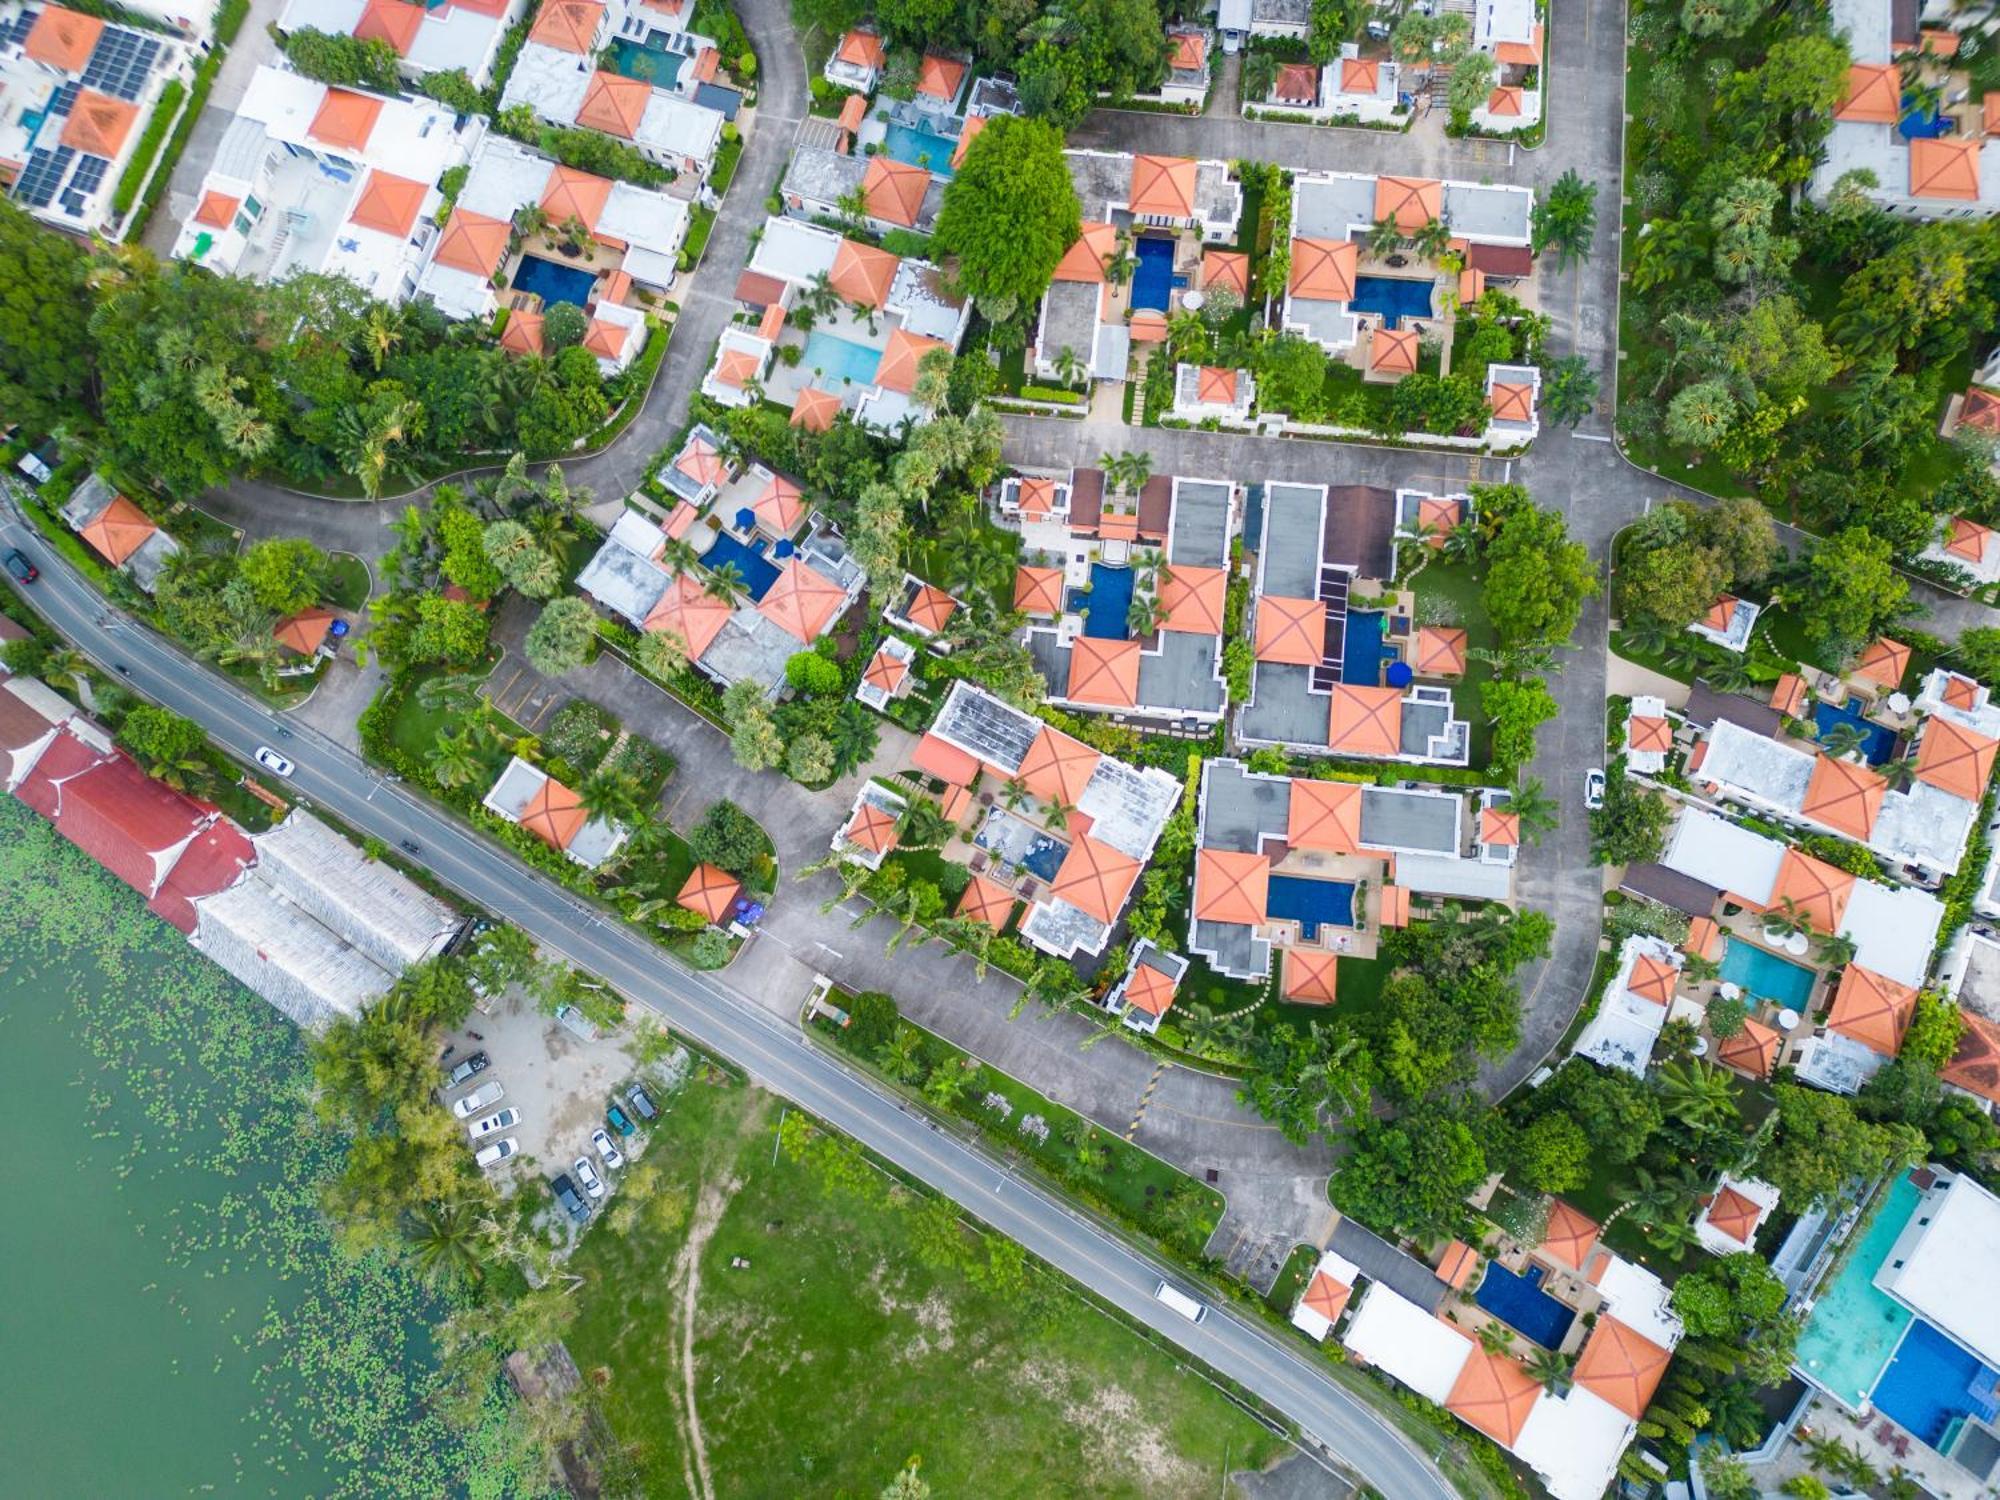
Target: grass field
{"points": [[347, 582], [1453, 593], [836, 1354]]}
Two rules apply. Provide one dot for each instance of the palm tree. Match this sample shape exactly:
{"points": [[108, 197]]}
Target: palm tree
{"points": [[1898, 773], [949, 1079], [1536, 809], [1069, 369], [1786, 919], [453, 761], [923, 825], [1551, 1371], [448, 1244], [1013, 794], [819, 298], [1495, 1338], [66, 666], [616, 796], [1647, 636], [1383, 238], [1696, 1092], [1656, 1196], [1838, 951], [1431, 240], [1142, 615], [380, 332], [724, 582], [1260, 76], [677, 555], [899, 1056], [449, 695], [1671, 1237]]}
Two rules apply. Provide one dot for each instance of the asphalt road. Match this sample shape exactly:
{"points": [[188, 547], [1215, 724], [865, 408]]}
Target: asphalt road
{"points": [[717, 1019]]}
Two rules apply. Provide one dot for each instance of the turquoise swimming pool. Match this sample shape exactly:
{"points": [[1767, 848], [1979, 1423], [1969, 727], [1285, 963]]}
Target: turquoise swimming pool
{"points": [[841, 359], [1767, 976], [1854, 1328], [921, 148]]}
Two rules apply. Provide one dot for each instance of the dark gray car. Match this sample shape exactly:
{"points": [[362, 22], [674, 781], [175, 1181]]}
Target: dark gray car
{"points": [[570, 1198]]}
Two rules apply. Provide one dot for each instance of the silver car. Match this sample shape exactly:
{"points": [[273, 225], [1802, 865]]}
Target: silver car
{"points": [[613, 1157], [499, 1151], [482, 1098], [507, 1119], [587, 1175]]}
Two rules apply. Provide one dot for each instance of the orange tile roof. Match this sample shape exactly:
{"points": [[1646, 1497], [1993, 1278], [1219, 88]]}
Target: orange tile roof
{"points": [[63, 39], [393, 21], [1494, 1394], [900, 358], [1526, 54], [1038, 591], [1753, 1050], [1966, 538], [940, 77], [1230, 886], [1057, 767], [968, 132], [1976, 1064], [679, 519], [119, 530], [1954, 759], [1704, 939], [1471, 286], [1505, 102], [1874, 95], [802, 602], [614, 104], [1961, 691], [1215, 386], [1147, 327], [472, 243], [99, 124], [1981, 410], [1569, 1235], [1945, 167], [1818, 890], [1149, 990], [1103, 672], [861, 48], [1393, 351], [853, 110], [1883, 663], [1938, 41], [1456, 1265], [1296, 83], [1409, 202], [1621, 1367], [1326, 1296], [1649, 733], [738, 367], [1499, 827], [815, 409], [568, 25], [345, 119], [1511, 402], [944, 760], [1438, 517], [1192, 600], [1290, 631], [690, 612], [1036, 497], [1324, 816], [893, 191], [572, 194], [1733, 1214], [305, 632], [389, 204], [1721, 613], [709, 890], [607, 339], [1395, 910], [1117, 525], [554, 814], [862, 274], [1789, 695], [930, 607], [986, 900], [1872, 1010], [1654, 980], [700, 462], [1162, 187], [780, 505], [1844, 796], [217, 210], [1226, 271], [1365, 720], [1311, 976], [870, 828], [1360, 75], [1095, 878], [885, 671], [1990, 114], [1324, 270]]}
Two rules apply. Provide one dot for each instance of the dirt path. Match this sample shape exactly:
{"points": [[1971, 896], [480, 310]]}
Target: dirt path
{"points": [[707, 1216]]}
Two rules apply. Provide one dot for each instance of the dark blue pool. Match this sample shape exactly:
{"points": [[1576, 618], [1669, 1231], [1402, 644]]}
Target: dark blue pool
{"points": [[758, 571], [1918, 126], [553, 282], [1311, 903], [1932, 1383], [1153, 279], [1520, 1303], [1362, 650], [1877, 743], [1393, 297], [1109, 600]]}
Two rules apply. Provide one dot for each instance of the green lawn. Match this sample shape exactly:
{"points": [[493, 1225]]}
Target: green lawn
{"points": [[1292, 1280], [947, 875], [1453, 593], [832, 1354], [347, 581]]}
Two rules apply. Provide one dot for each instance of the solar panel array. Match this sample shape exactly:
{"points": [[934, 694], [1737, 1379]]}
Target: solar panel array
{"points": [[65, 97], [120, 62], [89, 177], [14, 33], [44, 175]]}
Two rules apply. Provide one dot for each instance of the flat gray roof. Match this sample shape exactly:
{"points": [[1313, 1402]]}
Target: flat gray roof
{"points": [[1288, 552], [1069, 319], [1423, 723], [1231, 949], [1330, 208], [1181, 674], [1487, 213], [1200, 536], [1283, 709], [1240, 810], [1402, 818]]}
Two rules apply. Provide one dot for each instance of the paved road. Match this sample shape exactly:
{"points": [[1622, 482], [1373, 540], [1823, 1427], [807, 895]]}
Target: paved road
{"points": [[718, 1019]]}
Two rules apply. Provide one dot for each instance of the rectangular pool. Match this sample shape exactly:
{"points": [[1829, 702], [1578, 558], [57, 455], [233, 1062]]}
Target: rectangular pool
{"points": [[1932, 1383], [1520, 1303], [841, 359], [1392, 297], [1767, 976], [1878, 742], [920, 148], [1107, 604], [1363, 649], [1311, 903], [758, 571], [554, 282], [1854, 1326], [1153, 279], [1015, 841], [654, 65]]}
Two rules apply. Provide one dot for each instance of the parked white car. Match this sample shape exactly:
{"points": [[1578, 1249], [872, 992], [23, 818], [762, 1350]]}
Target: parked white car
{"points": [[587, 1175], [479, 1100], [1593, 789], [499, 1151], [613, 1157], [273, 762], [507, 1119]]}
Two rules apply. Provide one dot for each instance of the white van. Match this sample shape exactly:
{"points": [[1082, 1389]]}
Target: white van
{"points": [[1180, 1302]]}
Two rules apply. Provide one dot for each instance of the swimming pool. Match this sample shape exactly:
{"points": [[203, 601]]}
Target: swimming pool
{"points": [[1877, 742], [1919, 126], [1854, 1325], [920, 148], [1153, 279], [1015, 841], [554, 282], [759, 572], [1767, 976], [1311, 903], [1363, 648], [1520, 1303], [841, 359], [1394, 297], [1107, 603], [654, 65], [1932, 1383]]}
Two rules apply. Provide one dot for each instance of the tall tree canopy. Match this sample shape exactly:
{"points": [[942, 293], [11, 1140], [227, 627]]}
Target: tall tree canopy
{"points": [[1009, 214]]}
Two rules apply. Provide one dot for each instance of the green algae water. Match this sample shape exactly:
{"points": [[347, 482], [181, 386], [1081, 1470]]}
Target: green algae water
{"points": [[175, 1319]]}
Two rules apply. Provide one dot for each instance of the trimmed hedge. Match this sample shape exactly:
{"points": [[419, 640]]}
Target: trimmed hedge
{"points": [[134, 175]]}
